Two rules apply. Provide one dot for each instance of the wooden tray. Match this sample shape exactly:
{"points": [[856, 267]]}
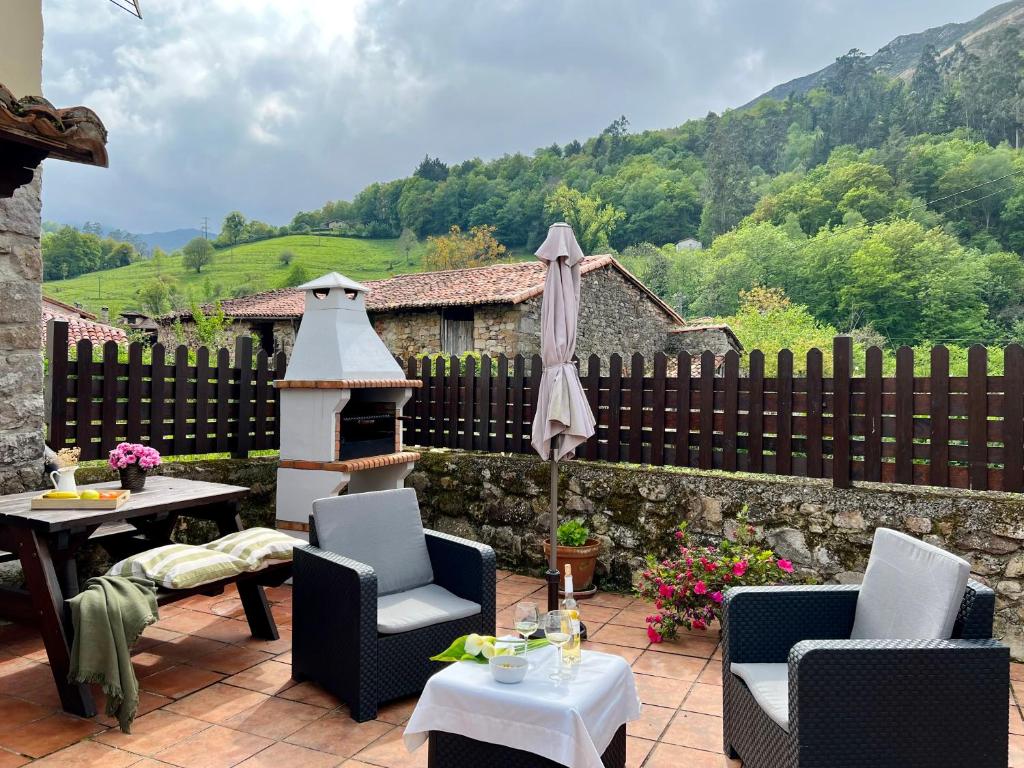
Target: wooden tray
{"points": [[41, 502]]}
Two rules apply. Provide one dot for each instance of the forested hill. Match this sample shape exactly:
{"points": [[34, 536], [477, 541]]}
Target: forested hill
{"points": [[890, 205], [899, 57]]}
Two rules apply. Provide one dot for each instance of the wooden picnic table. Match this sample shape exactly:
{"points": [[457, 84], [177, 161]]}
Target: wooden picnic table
{"points": [[47, 542]]}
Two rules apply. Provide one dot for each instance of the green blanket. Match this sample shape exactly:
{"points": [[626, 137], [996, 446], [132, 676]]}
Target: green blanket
{"points": [[108, 617]]}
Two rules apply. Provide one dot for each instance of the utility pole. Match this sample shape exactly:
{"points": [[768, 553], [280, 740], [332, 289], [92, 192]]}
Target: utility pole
{"points": [[206, 228]]}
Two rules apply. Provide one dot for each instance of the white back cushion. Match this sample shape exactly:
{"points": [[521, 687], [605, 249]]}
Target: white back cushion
{"points": [[911, 590], [382, 529]]}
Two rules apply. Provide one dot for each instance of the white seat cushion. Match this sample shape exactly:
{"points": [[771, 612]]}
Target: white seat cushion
{"points": [[381, 529], [421, 607], [911, 590], [769, 685]]}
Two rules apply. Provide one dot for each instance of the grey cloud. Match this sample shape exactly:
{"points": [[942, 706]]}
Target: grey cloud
{"points": [[275, 107]]}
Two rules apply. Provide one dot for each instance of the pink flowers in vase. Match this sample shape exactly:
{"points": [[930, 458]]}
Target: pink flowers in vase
{"points": [[134, 454], [688, 589]]}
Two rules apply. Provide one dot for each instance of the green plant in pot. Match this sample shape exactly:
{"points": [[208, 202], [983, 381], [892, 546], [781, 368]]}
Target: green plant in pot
{"points": [[578, 549]]}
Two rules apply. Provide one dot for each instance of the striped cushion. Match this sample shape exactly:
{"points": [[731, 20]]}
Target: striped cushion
{"points": [[257, 547], [180, 566]]}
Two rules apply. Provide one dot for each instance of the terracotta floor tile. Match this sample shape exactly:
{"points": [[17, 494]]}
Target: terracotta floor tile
{"points": [[631, 617], [660, 691], [310, 693], [652, 722], [11, 760], [704, 698], [153, 732], [637, 751], [1016, 670], [693, 729], [282, 644], [149, 762], [1016, 751], [690, 645], [281, 755], [151, 661], [339, 734], [19, 675], [230, 660], [390, 752], [275, 718], [153, 632], [613, 634], [397, 712], [268, 677], [598, 614], [217, 703], [226, 631], [629, 654], [228, 607], [669, 665], [610, 600], [41, 737], [88, 754], [712, 674], [185, 621], [179, 681], [1016, 723], [284, 658], [187, 647], [16, 712], [671, 756], [45, 694], [216, 747], [148, 702]]}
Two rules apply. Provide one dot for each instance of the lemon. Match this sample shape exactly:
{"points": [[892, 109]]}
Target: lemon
{"points": [[90, 494]]}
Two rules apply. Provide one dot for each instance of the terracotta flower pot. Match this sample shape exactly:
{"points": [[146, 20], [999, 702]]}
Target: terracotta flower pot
{"points": [[133, 478], [583, 561]]}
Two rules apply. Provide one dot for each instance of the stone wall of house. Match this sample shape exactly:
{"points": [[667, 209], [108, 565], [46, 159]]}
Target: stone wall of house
{"points": [[409, 332], [826, 532], [696, 341], [21, 365], [284, 334]]}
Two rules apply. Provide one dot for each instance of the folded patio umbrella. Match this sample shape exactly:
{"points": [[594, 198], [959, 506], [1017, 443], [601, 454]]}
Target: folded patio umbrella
{"points": [[562, 419]]}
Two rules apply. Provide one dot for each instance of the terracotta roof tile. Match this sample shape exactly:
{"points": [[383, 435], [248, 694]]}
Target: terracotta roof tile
{"points": [[496, 284], [73, 133], [81, 328]]}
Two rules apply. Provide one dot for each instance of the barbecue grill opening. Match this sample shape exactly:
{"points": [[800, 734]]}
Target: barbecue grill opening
{"points": [[367, 428]]}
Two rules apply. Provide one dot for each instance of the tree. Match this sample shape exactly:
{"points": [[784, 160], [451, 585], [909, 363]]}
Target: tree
{"points": [[431, 169], [459, 250], [286, 257], [407, 242], [68, 253], [209, 329], [231, 229], [154, 297], [727, 193], [591, 220], [196, 254], [297, 275]]}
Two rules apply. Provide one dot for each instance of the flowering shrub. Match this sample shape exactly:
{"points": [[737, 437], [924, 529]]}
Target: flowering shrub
{"points": [[687, 589], [127, 454]]}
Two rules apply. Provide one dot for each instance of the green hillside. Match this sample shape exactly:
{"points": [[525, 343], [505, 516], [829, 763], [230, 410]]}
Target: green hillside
{"points": [[247, 268]]}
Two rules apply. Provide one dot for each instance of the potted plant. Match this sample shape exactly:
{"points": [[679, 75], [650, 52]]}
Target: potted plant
{"points": [[131, 460], [578, 549]]}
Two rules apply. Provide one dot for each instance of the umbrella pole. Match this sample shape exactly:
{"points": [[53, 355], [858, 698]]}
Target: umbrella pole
{"points": [[552, 572]]}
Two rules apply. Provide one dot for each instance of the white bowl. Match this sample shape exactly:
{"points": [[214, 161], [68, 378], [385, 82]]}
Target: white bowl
{"points": [[508, 669]]}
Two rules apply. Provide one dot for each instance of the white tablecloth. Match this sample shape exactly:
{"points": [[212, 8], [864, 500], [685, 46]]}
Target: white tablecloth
{"points": [[571, 723]]}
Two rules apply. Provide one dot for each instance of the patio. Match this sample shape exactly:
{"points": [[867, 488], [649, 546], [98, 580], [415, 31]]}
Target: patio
{"points": [[215, 698]]}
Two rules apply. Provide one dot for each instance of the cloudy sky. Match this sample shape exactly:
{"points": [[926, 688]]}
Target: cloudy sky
{"points": [[274, 106]]}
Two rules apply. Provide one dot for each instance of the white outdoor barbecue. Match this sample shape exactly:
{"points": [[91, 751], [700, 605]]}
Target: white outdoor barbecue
{"points": [[341, 405]]}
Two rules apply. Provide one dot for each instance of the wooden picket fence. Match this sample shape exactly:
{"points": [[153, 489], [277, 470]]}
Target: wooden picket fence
{"points": [[941, 430], [180, 407]]}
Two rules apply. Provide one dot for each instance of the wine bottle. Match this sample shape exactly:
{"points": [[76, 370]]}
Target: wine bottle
{"points": [[571, 651]]}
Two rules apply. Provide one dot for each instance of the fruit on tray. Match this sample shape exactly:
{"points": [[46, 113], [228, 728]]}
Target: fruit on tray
{"points": [[108, 495], [90, 494], [60, 495]]}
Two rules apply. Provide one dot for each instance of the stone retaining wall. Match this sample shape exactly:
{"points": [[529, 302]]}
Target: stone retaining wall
{"points": [[502, 500]]}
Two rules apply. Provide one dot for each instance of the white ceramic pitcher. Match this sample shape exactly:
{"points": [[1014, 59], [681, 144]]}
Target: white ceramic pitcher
{"points": [[63, 479]]}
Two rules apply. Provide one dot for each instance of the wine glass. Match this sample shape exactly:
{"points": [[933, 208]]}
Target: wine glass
{"points": [[527, 619], [558, 630]]}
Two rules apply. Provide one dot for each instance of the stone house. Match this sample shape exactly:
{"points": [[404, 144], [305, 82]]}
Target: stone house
{"points": [[488, 310], [81, 324], [31, 129]]}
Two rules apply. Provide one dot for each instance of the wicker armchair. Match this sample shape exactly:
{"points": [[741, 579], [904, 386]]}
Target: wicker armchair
{"points": [[860, 702], [375, 596]]}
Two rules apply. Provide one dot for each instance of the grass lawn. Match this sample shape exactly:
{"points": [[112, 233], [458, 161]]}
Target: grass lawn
{"points": [[252, 266]]}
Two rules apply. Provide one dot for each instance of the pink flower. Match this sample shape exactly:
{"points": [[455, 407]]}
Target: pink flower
{"points": [[700, 588], [739, 568], [652, 635], [716, 596], [699, 624], [784, 565], [666, 591], [709, 566], [679, 534]]}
